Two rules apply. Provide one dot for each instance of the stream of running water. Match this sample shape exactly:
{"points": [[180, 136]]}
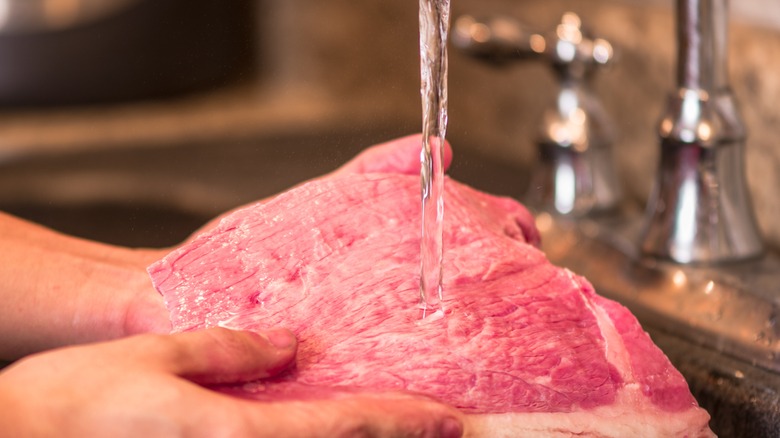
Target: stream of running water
{"points": [[434, 30]]}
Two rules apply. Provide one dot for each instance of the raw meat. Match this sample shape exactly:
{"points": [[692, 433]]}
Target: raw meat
{"points": [[524, 347]]}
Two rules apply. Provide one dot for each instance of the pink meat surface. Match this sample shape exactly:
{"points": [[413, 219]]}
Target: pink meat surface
{"points": [[523, 346]]}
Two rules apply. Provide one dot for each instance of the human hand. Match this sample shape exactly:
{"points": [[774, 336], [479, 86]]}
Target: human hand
{"points": [[60, 290], [149, 385]]}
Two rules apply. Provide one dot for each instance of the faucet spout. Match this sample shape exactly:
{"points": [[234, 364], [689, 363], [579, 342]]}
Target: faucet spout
{"points": [[700, 209]]}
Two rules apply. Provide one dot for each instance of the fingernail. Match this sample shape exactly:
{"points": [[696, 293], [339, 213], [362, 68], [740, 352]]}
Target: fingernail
{"points": [[451, 428], [280, 338]]}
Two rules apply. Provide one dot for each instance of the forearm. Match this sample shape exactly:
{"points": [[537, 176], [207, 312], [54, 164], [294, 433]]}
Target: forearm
{"points": [[58, 290]]}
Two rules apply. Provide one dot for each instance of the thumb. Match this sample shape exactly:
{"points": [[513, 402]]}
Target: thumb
{"points": [[397, 156], [218, 355]]}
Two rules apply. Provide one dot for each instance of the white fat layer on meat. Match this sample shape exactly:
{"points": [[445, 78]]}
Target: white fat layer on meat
{"points": [[614, 349], [632, 415]]}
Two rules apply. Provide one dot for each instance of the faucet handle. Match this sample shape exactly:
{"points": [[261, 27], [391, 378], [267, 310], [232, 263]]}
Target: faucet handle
{"points": [[498, 39], [575, 52], [571, 50]]}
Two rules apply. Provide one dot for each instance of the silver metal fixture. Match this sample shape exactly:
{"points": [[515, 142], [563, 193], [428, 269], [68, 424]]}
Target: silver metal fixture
{"points": [[700, 209], [575, 175], [694, 266]]}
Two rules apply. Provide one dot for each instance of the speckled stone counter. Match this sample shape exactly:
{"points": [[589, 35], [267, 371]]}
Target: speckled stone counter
{"points": [[743, 400]]}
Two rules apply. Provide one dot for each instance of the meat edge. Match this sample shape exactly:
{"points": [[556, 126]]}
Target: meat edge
{"points": [[618, 420]]}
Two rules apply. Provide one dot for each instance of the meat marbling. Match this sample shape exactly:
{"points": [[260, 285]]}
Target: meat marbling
{"points": [[524, 348]]}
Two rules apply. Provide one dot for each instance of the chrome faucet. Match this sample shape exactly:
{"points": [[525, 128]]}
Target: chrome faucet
{"points": [[694, 266], [700, 209], [575, 175]]}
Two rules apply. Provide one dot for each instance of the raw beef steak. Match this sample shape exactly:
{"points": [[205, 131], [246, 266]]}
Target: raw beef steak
{"points": [[524, 347]]}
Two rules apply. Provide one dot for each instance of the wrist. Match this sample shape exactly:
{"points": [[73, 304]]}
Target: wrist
{"points": [[59, 290]]}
